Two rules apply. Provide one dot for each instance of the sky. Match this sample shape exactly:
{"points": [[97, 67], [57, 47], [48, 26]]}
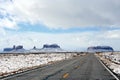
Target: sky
{"points": [[72, 24]]}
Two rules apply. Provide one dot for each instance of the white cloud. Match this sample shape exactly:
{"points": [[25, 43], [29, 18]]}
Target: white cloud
{"points": [[115, 34], [70, 41], [2, 32], [7, 20], [61, 14], [6, 23], [65, 13]]}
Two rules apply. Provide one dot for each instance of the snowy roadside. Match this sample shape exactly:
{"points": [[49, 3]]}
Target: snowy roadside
{"points": [[14, 63], [112, 60]]}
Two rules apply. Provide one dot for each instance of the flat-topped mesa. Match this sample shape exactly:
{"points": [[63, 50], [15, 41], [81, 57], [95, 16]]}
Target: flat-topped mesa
{"points": [[100, 49], [15, 48], [51, 46]]}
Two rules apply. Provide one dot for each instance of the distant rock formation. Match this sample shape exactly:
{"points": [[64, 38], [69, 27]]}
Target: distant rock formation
{"points": [[19, 47], [34, 47], [51, 46], [100, 49], [15, 48], [45, 48], [8, 49]]}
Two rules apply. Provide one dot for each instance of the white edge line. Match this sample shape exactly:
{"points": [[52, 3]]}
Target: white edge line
{"points": [[108, 69]]}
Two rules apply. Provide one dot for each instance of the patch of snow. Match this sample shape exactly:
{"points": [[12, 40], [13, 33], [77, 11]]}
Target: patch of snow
{"points": [[112, 59], [14, 62]]}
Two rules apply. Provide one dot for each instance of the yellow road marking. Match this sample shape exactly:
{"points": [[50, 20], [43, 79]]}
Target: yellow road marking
{"points": [[65, 75], [76, 67]]}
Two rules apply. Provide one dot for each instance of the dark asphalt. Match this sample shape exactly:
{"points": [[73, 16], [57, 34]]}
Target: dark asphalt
{"points": [[85, 67]]}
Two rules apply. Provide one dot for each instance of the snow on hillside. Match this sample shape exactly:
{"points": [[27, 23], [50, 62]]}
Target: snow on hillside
{"points": [[45, 48], [112, 60], [100, 49], [36, 50], [15, 62], [52, 50], [33, 51]]}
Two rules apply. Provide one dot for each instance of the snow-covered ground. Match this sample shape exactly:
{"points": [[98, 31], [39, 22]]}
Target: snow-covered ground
{"points": [[10, 63], [112, 60]]}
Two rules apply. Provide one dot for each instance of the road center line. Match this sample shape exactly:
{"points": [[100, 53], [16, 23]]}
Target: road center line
{"points": [[65, 75], [76, 67]]}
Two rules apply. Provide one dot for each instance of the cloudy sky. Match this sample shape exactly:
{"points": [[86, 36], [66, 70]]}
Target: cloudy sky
{"points": [[73, 24]]}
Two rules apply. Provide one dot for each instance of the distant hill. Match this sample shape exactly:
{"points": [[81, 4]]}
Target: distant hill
{"points": [[100, 49], [45, 48], [51, 48], [15, 49]]}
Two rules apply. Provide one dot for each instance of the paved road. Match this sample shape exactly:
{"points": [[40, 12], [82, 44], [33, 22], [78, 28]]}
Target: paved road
{"points": [[85, 67]]}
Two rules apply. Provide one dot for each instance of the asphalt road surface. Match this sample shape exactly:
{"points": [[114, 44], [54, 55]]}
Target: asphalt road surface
{"points": [[85, 67]]}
